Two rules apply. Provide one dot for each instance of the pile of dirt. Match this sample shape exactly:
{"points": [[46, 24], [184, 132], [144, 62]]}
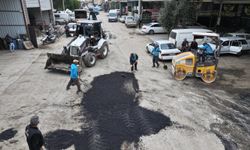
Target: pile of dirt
{"points": [[7, 134], [114, 116]]}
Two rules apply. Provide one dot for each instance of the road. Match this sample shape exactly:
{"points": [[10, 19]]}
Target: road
{"points": [[146, 109]]}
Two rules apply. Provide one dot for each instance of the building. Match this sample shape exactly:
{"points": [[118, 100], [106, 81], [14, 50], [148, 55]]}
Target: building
{"points": [[13, 18], [225, 15], [40, 12], [148, 10], [19, 17]]}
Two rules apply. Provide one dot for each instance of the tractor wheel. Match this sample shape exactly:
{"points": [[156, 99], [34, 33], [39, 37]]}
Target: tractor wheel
{"points": [[89, 60], [104, 51], [180, 75], [209, 77]]}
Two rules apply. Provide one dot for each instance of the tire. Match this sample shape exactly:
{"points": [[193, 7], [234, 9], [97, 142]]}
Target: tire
{"points": [[209, 77], [104, 51], [180, 75], [239, 54], [151, 32], [89, 60]]}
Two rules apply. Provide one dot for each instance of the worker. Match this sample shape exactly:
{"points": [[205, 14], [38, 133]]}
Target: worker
{"points": [[92, 14], [185, 45], [133, 61], [92, 41], [33, 135], [74, 77], [66, 27], [194, 45], [207, 51], [156, 51]]}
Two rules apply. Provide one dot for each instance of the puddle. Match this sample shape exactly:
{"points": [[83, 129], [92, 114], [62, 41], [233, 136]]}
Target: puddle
{"points": [[7, 134], [113, 114]]}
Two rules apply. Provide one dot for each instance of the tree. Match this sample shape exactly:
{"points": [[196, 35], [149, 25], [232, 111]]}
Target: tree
{"points": [[177, 13]]}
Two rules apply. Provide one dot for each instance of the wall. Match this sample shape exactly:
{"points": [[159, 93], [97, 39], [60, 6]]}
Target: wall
{"points": [[11, 18], [32, 3]]}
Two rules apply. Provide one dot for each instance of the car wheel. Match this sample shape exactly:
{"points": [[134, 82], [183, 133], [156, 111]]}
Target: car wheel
{"points": [[89, 59], [104, 51], [151, 32], [239, 54]]}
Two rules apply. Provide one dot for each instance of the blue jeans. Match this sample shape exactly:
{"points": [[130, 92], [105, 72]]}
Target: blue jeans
{"points": [[12, 47]]}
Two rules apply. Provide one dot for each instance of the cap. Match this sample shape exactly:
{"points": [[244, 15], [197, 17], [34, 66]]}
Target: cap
{"points": [[75, 61], [34, 120]]}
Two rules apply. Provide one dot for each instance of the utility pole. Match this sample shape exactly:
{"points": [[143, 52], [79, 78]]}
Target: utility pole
{"points": [[219, 15], [63, 5], [139, 9]]}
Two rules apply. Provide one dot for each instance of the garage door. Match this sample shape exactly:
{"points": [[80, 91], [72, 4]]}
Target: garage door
{"points": [[11, 18]]}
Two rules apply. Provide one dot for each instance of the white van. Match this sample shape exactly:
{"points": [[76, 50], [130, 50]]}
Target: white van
{"points": [[113, 15], [62, 18], [177, 36]]}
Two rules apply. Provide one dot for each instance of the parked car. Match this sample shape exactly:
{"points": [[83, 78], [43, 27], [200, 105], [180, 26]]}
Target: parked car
{"points": [[168, 49], [130, 21], [233, 45], [240, 35], [152, 28], [113, 15], [122, 18]]}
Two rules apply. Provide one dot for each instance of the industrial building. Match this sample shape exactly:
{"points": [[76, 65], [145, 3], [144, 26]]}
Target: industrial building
{"points": [[18, 18]]}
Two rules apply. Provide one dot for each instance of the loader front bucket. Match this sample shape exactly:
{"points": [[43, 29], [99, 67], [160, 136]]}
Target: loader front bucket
{"points": [[61, 62]]}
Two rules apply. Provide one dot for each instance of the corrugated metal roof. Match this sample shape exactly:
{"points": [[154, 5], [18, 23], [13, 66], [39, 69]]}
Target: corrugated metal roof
{"points": [[32, 3], [10, 5], [11, 18], [13, 31], [45, 5]]}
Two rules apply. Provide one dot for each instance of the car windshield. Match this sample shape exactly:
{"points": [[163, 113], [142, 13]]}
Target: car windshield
{"points": [[112, 14], [72, 25], [130, 18], [167, 46], [149, 24]]}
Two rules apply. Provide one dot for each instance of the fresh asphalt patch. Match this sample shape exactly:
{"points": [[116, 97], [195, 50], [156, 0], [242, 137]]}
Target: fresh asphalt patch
{"points": [[7, 134], [113, 115]]}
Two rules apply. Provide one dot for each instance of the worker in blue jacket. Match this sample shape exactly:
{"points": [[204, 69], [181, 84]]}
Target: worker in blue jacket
{"points": [[74, 77], [156, 51], [133, 59], [207, 49]]}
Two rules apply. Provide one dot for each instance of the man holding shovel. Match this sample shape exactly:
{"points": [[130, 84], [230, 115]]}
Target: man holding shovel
{"points": [[133, 61]]}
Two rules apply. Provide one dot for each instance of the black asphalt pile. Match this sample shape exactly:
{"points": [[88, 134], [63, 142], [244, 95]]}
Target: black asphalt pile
{"points": [[7, 134], [113, 114]]}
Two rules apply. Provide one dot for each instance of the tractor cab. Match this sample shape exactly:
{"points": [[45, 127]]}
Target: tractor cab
{"points": [[197, 63], [88, 28]]}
